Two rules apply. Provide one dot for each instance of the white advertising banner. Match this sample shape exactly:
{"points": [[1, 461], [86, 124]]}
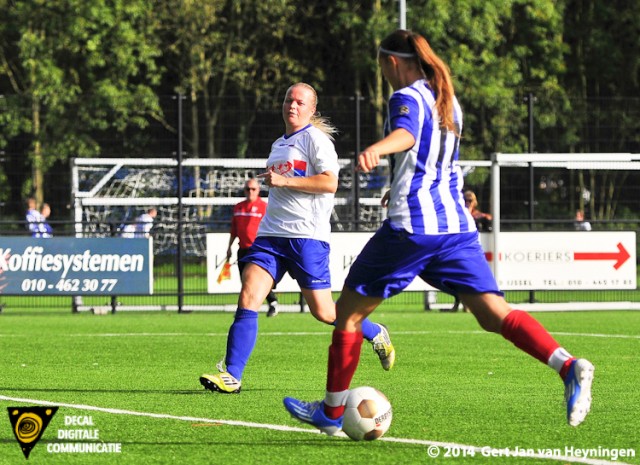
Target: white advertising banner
{"points": [[564, 260], [527, 261]]}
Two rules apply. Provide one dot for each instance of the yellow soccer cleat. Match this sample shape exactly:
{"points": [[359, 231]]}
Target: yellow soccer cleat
{"points": [[221, 382], [384, 348]]}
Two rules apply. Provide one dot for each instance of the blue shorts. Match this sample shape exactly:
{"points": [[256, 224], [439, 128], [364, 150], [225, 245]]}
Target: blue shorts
{"points": [[306, 260], [453, 263]]}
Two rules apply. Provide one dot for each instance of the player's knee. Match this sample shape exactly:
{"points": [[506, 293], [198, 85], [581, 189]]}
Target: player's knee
{"points": [[325, 315]]}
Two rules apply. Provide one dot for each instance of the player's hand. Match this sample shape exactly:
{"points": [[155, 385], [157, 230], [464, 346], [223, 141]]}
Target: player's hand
{"points": [[273, 179], [368, 160], [385, 199]]}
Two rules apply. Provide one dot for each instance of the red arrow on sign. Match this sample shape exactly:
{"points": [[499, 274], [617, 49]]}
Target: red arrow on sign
{"points": [[620, 256]]}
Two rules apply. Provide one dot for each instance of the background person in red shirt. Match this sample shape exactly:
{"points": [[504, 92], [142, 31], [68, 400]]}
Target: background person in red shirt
{"points": [[244, 226]]}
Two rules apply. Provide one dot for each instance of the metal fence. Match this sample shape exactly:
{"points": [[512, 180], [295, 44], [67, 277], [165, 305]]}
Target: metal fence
{"points": [[532, 198]]}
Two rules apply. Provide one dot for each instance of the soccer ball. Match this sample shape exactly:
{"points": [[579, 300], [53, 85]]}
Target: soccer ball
{"points": [[367, 414]]}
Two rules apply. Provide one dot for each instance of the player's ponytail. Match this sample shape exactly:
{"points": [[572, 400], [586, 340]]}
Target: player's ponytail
{"points": [[323, 123], [410, 45]]}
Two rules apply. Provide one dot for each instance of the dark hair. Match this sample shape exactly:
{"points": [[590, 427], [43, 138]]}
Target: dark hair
{"points": [[412, 45]]}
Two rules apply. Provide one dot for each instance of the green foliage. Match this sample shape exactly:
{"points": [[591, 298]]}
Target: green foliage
{"points": [[77, 73], [81, 67]]}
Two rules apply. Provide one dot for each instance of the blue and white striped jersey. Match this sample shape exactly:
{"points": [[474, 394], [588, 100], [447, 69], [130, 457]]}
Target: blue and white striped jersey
{"points": [[426, 188]]}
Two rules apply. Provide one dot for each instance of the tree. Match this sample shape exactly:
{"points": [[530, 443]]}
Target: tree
{"points": [[222, 50], [603, 70], [81, 68]]}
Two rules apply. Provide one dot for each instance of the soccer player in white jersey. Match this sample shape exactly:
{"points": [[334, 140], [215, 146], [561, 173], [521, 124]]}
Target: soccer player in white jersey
{"points": [[429, 233], [293, 237]]}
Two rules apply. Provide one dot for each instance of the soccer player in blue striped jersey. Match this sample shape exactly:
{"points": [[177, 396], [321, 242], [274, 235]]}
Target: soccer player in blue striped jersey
{"points": [[429, 233], [293, 237]]}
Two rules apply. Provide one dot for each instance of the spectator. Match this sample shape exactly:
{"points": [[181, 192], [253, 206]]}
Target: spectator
{"points": [[483, 220], [142, 225], [35, 219], [45, 228], [581, 224], [247, 216]]}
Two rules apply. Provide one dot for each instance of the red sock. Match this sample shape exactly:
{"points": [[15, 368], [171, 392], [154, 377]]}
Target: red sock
{"points": [[565, 368], [344, 355], [528, 335]]}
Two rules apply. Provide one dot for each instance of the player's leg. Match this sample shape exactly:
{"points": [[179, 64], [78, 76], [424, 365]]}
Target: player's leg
{"points": [[323, 308], [346, 342], [272, 300], [243, 333], [526, 333], [386, 265], [467, 271], [321, 304], [344, 355]]}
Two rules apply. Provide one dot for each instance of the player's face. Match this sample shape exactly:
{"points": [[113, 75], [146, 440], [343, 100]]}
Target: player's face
{"points": [[298, 108], [388, 66]]}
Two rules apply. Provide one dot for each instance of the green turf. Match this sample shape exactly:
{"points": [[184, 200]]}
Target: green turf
{"points": [[452, 383]]}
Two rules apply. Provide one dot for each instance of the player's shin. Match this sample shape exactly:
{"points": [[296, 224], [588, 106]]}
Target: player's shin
{"points": [[528, 335], [344, 356], [241, 341]]}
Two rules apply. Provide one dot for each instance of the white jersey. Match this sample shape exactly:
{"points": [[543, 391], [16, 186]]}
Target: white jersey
{"points": [[144, 223], [141, 228], [426, 188], [295, 214]]}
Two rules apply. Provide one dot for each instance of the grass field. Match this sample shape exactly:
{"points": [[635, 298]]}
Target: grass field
{"points": [[136, 376]]}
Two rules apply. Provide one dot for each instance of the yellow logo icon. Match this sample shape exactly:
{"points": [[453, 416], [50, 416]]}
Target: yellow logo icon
{"points": [[28, 424]]}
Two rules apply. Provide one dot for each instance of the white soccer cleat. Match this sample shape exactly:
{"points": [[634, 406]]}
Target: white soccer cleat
{"points": [[577, 391]]}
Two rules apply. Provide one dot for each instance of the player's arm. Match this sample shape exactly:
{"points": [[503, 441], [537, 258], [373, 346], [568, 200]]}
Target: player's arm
{"points": [[399, 140], [323, 183]]}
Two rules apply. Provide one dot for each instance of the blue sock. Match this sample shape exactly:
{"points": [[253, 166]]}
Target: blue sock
{"points": [[369, 329], [241, 341]]}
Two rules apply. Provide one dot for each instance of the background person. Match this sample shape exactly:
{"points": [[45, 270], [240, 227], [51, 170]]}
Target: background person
{"points": [[141, 227], [247, 216], [293, 237], [34, 218], [428, 233], [483, 220], [45, 228], [144, 223], [580, 223]]}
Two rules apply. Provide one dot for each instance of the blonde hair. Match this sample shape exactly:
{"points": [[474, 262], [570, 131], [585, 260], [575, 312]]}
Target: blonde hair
{"points": [[470, 196], [409, 46], [317, 120]]}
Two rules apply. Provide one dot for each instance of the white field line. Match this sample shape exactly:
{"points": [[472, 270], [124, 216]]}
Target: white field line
{"points": [[315, 333], [444, 445]]}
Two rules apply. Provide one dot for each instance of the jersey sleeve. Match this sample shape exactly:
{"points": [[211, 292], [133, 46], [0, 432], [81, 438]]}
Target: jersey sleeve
{"points": [[404, 112], [324, 156]]}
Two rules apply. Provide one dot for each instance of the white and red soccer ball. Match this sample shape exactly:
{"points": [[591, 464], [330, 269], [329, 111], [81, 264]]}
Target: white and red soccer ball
{"points": [[367, 414]]}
